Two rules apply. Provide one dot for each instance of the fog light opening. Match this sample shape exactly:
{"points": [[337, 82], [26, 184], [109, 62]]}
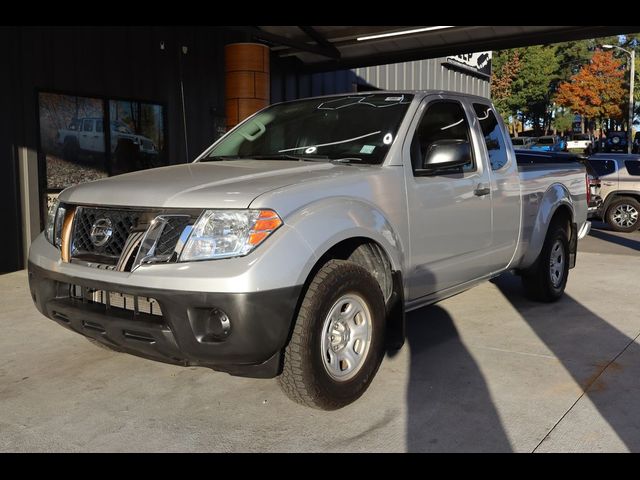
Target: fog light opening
{"points": [[220, 323]]}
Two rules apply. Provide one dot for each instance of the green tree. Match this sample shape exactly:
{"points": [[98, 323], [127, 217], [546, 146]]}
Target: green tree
{"points": [[531, 90], [562, 120]]}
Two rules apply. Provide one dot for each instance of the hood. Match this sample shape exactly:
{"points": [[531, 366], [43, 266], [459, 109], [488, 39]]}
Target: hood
{"points": [[229, 184]]}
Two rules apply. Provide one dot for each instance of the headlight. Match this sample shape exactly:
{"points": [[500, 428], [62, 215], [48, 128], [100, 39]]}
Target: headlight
{"points": [[55, 219], [228, 233]]}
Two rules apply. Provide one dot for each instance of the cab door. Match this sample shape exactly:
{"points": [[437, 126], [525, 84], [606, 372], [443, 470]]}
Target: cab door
{"points": [[449, 211], [506, 197], [86, 135]]}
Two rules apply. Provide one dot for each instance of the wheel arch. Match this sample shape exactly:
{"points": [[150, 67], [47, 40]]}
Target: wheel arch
{"points": [[374, 257], [556, 205], [616, 195]]}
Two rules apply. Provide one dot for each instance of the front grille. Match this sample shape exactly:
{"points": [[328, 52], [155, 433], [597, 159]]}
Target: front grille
{"points": [[123, 301], [118, 249], [171, 234], [122, 222]]}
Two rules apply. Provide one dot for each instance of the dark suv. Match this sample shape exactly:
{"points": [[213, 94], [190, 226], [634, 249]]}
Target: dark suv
{"points": [[616, 142]]}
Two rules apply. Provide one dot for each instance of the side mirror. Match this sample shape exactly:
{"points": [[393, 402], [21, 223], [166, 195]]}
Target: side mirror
{"points": [[444, 155]]}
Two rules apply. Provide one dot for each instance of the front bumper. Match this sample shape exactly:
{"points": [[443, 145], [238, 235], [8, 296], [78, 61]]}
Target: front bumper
{"points": [[186, 333], [584, 230]]}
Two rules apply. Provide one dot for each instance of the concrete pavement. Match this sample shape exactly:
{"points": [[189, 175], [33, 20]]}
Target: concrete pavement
{"points": [[486, 370]]}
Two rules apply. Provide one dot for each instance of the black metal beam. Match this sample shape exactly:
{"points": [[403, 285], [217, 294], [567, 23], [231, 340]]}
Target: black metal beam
{"points": [[301, 46], [496, 43], [320, 40]]}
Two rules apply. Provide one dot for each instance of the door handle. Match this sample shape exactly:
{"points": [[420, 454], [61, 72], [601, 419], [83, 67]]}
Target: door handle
{"points": [[482, 189]]}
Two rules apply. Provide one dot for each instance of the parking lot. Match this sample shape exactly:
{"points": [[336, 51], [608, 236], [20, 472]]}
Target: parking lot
{"points": [[486, 370]]}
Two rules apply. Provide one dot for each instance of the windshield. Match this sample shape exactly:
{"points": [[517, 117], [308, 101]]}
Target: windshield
{"points": [[545, 141], [581, 137], [359, 128], [120, 127]]}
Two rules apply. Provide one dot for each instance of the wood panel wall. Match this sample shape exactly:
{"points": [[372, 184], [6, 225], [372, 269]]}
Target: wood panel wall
{"points": [[246, 80]]}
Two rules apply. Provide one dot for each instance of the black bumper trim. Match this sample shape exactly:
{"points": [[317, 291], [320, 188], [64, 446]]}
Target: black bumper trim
{"points": [[260, 323]]}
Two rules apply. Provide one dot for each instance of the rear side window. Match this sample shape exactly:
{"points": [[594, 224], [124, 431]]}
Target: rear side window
{"points": [[603, 167], [492, 136], [633, 167]]}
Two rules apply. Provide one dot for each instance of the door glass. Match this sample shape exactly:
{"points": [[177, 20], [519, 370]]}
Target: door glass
{"points": [[87, 126], [137, 136], [492, 136], [633, 167], [444, 120], [603, 167]]}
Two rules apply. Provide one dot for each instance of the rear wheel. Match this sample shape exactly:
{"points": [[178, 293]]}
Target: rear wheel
{"points": [[623, 214], [337, 342], [546, 280]]}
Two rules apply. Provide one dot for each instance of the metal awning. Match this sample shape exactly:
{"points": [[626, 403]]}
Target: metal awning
{"points": [[329, 48]]}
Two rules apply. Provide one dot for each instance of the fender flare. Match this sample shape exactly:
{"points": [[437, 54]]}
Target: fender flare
{"points": [[326, 223], [556, 196]]}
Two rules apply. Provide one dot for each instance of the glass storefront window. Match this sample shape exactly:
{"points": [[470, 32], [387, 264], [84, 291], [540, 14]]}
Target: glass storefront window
{"points": [[73, 138], [73, 150]]}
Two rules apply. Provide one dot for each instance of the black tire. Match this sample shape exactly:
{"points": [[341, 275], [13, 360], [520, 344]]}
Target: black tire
{"points": [[304, 378], [537, 280], [70, 150], [628, 205]]}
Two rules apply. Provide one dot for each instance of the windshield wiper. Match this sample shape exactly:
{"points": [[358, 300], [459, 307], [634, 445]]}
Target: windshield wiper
{"points": [[279, 156], [283, 156], [347, 160], [219, 158]]}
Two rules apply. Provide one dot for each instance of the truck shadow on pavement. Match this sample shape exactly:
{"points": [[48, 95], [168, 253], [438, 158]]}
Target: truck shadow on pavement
{"points": [[622, 241], [449, 405], [586, 345]]}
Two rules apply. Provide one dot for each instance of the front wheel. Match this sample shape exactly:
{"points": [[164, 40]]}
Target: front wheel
{"points": [[546, 280], [623, 215], [337, 342]]}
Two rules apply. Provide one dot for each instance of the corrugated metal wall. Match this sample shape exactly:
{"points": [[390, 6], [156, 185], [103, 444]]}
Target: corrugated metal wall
{"points": [[433, 73]]}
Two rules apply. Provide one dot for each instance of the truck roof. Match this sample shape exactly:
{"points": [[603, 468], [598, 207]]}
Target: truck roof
{"points": [[417, 93]]}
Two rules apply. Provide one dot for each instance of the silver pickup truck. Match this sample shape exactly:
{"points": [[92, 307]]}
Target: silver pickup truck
{"points": [[295, 244]]}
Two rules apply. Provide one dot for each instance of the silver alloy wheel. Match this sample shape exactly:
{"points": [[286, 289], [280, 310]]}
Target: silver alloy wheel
{"points": [[556, 263], [346, 337], [625, 215]]}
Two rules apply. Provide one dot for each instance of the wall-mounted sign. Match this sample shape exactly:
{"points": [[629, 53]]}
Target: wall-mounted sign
{"points": [[479, 62]]}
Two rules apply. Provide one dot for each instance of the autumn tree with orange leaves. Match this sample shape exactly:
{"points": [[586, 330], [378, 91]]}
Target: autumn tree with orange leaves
{"points": [[505, 72], [597, 90]]}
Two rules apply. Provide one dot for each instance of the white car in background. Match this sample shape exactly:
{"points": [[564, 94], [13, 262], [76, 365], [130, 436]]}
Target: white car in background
{"points": [[581, 141], [86, 136]]}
